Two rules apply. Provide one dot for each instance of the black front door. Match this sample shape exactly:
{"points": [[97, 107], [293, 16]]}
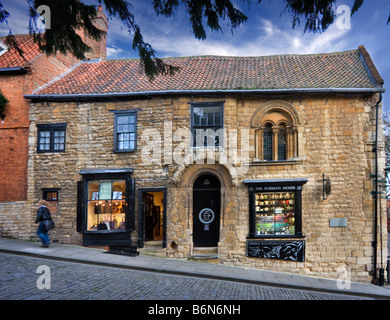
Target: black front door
{"points": [[206, 215]]}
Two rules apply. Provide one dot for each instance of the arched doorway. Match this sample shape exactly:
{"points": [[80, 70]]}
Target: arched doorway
{"points": [[206, 214]]}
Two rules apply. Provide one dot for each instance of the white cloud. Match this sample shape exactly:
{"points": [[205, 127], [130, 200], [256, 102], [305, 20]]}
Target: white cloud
{"points": [[114, 52], [269, 40]]}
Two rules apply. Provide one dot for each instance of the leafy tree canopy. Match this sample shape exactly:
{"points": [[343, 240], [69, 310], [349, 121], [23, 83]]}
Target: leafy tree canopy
{"points": [[71, 15]]}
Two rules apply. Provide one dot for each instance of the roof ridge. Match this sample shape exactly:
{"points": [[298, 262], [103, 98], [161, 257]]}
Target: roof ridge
{"points": [[242, 57]]}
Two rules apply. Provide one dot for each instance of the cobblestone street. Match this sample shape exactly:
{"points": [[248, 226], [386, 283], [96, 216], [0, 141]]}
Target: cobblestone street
{"points": [[71, 281]]}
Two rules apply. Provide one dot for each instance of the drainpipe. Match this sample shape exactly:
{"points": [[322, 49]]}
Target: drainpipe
{"points": [[375, 244]]}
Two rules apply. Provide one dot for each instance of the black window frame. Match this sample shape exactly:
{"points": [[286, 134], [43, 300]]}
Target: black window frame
{"points": [[106, 237], [118, 114], [52, 128], [277, 185], [54, 201], [214, 127]]}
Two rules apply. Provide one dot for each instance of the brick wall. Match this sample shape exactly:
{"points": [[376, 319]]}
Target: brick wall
{"points": [[98, 47], [14, 131], [13, 140]]}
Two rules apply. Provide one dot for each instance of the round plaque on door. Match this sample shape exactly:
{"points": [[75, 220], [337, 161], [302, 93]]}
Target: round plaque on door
{"points": [[206, 215]]}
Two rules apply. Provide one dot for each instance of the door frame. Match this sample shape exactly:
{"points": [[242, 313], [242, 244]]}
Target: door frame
{"points": [[141, 216]]}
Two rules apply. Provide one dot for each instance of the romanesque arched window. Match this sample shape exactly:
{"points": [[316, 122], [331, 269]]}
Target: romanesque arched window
{"points": [[282, 142], [267, 142], [276, 131]]}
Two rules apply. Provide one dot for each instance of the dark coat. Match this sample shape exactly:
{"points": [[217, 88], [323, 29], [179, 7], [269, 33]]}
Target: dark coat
{"points": [[43, 214]]}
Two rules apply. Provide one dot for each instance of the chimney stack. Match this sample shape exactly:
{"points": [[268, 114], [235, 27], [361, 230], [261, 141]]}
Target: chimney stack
{"points": [[98, 47]]}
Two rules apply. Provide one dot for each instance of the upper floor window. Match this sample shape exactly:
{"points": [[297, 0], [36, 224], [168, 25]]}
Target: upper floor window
{"points": [[206, 122], [282, 142], [125, 135], [276, 134], [51, 137], [267, 142]]}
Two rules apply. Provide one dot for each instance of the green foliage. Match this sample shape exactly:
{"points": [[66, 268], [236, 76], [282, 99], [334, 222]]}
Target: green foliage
{"points": [[66, 18], [318, 14], [3, 102]]}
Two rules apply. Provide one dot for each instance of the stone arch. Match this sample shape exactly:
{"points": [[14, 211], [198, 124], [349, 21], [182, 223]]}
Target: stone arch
{"points": [[186, 177], [275, 106], [279, 114], [225, 173]]}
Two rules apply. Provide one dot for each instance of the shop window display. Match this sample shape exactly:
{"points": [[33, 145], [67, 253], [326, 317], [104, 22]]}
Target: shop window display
{"points": [[275, 213], [106, 205], [275, 208]]}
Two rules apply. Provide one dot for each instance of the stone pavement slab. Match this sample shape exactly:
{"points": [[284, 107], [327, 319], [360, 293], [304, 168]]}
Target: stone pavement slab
{"points": [[81, 254]]}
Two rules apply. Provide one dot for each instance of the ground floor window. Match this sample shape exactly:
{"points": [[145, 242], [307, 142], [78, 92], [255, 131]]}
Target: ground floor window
{"points": [[51, 196], [106, 204], [274, 213], [275, 208]]}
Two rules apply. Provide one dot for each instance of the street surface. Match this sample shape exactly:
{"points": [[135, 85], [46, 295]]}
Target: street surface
{"points": [[28, 278]]}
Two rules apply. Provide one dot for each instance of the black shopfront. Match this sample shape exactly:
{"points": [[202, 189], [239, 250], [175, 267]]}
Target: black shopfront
{"points": [[105, 207], [275, 219]]}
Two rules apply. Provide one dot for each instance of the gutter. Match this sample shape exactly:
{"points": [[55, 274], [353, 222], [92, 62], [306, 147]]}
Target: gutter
{"points": [[77, 96], [375, 194], [13, 70]]}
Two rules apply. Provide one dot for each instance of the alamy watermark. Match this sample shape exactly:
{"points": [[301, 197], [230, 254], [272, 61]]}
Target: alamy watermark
{"points": [[343, 20], [344, 278], [42, 20], [44, 280], [201, 146]]}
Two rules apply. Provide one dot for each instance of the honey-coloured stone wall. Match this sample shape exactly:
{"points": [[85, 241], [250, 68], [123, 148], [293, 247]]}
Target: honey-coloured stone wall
{"points": [[336, 135]]}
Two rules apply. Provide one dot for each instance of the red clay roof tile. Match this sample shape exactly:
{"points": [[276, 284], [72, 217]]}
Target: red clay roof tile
{"points": [[329, 70], [12, 59]]}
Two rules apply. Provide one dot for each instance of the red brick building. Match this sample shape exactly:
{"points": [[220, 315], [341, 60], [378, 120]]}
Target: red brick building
{"points": [[20, 76]]}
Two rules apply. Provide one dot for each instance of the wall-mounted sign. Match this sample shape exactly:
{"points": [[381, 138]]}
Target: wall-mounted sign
{"points": [[337, 222], [293, 250]]}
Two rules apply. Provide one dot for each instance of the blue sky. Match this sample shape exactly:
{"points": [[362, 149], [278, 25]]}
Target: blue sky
{"points": [[267, 32]]}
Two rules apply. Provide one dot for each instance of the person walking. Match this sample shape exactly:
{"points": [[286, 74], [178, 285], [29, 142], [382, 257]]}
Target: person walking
{"points": [[43, 214]]}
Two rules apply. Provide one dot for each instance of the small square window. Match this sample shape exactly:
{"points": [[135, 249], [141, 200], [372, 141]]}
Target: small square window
{"points": [[51, 196], [51, 137]]}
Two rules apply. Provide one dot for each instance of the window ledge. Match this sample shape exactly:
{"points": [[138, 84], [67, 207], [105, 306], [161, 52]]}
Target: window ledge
{"points": [[107, 231], [125, 151], [279, 236], [273, 162]]}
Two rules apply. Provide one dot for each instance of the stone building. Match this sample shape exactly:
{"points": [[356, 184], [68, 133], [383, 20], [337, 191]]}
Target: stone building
{"points": [[263, 162]]}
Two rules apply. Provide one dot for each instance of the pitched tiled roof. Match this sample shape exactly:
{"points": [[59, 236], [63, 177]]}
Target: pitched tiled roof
{"points": [[316, 71], [12, 59]]}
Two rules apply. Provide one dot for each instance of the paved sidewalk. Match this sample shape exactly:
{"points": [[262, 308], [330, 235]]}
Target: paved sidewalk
{"points": [[182, 267]]}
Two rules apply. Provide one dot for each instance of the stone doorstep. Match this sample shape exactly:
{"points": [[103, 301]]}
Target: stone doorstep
{"points": [[205, 254], [156, 252], [153, 248]]}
